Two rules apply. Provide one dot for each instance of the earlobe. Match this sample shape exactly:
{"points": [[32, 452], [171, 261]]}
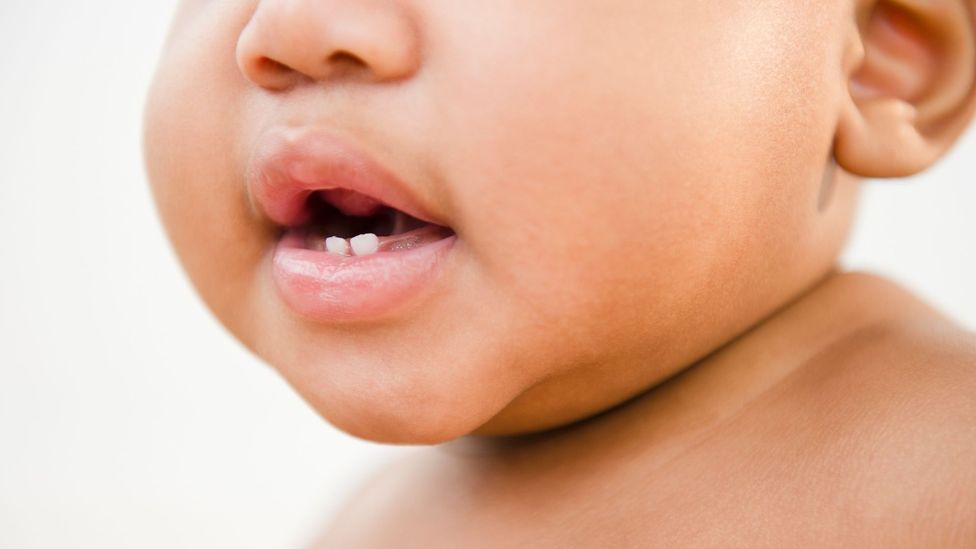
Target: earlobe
{"points": [[881, 138], [912, 78]]}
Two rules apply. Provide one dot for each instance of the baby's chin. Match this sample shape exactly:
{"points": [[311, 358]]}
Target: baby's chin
{"points": [[432, 414], [406, 396], [429, 424]]}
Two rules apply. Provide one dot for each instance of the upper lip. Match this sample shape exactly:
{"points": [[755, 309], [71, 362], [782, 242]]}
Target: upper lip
{"points": [[290, 163]]}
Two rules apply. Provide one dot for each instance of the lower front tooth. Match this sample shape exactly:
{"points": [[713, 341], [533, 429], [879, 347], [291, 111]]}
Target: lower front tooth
{"points": [[336, 245], [365, 244]]}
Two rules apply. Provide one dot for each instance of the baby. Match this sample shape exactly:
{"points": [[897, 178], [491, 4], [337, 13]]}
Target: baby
{"points": [[586, 250]]}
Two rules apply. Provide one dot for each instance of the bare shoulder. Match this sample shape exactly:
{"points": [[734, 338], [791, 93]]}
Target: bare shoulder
{"points": [[869, 443], [910, 359], [916, 361], [895, 407]]}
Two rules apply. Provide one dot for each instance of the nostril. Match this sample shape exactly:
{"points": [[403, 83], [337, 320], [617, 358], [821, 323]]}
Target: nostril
{"points": [[279, 75], [271, 74], [343, 63], [342, 57], [266, 64]]}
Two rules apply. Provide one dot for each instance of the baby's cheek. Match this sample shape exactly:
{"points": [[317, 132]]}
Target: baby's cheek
{"points": [[638, 191], [193, 164]]}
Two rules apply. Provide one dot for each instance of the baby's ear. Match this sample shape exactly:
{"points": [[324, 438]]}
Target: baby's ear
{"points": [[912, 88]]}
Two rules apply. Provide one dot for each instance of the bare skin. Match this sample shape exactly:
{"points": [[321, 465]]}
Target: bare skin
{"points": [[639, 335], [844, 420]]}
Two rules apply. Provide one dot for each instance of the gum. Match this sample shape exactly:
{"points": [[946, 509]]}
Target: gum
{"points": [[392, 243]]}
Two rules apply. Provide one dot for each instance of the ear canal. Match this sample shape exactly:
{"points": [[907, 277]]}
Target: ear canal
{"points": [[911, 92]]}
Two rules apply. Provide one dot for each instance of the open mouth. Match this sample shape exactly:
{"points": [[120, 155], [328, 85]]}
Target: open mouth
{"points": [[345, 223], [357, 243]]}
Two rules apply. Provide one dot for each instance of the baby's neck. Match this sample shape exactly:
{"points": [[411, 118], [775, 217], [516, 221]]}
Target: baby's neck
{"points": [[685, 408]]}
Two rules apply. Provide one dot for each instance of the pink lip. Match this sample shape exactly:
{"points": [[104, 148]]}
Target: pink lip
{"points": [[330, 288], [291, 163]]}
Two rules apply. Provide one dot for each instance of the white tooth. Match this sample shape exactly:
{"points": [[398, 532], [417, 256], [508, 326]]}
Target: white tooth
{"points": [[336, 245], [365, 244]]}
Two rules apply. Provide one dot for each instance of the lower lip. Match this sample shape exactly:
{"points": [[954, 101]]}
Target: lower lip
{"points": [[329, 288]]}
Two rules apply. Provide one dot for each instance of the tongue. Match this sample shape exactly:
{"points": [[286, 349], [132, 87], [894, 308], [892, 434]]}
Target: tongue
{"points": [[351, 202]]}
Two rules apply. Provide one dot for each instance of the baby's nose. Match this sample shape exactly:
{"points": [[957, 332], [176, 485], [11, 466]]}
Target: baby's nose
{"points": [[289, 41]]}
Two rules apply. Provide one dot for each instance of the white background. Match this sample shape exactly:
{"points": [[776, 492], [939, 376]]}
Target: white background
{"points": [[128, 417]]}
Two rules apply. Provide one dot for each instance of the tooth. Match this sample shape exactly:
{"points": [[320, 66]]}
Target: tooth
{"points": [[336, 245], [365, 244]]}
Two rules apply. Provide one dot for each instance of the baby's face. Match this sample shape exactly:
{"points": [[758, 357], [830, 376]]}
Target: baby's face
{"points": [[625, 185]]}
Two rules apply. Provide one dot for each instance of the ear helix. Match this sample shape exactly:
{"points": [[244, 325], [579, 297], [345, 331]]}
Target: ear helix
{"points": [[911, 74]]}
